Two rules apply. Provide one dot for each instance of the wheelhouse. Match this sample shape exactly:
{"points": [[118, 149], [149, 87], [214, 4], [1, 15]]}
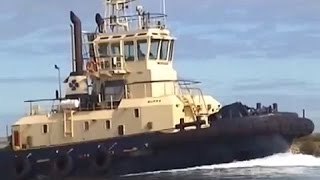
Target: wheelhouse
{"points": [[135, 47]]}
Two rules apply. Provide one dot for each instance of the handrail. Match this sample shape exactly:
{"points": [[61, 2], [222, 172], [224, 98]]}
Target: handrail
{"points": [[148, 20], [136, 17], [202, 96], [56, 107], [188, 82], [43, 100]]}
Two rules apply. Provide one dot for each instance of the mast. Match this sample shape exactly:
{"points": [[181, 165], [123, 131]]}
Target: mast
{"points": [[116, 15], [164, 10]]}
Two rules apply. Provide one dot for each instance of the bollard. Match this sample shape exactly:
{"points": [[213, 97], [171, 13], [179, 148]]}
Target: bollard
{"points": [[258, 106], [275, 107], [7, 131]]}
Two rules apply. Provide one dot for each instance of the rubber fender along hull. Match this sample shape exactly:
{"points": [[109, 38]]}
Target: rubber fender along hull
{"points": [[223, 142], [281, 123]]}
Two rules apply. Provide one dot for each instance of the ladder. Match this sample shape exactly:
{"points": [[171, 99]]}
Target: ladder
{"points": [[68, 123], [190, 102], [191, 106]]}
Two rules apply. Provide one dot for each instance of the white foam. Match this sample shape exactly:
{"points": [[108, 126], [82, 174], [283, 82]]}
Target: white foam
{"points": [[277, 160]]}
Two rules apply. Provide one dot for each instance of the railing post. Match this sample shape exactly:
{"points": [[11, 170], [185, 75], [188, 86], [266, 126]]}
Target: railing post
{"points": [[30, 113], [145, 89], [111, 99], [126, 91], [122, 62]]}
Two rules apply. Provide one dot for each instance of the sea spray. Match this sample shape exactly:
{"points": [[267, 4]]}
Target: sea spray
{"points": [[271, 165]]}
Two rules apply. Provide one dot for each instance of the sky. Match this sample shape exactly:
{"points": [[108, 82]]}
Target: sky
{"points": [[242, 50]]}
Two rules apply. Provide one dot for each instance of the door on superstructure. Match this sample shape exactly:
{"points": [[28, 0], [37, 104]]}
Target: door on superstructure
{"points": [[113, 92]]}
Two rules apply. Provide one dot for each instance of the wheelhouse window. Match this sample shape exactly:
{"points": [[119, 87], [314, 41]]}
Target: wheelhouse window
{"points": [[142, 48], [91, 37], [115, 49], [103, 50], [129, 51], [164, 49], [171, 50], [154, 49]]}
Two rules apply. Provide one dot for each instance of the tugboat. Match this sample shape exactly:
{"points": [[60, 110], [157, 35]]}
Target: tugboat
{"points": [[125, 111]]}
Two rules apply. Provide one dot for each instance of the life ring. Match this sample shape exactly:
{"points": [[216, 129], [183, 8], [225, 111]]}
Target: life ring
{"points": [[92, 66], [62, 166], [96, 65], [101, 160], [22, 169]]}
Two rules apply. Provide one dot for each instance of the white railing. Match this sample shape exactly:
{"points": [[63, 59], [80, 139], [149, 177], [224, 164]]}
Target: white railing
{"points": [[170, 87], [37, 107], [49, 106]]}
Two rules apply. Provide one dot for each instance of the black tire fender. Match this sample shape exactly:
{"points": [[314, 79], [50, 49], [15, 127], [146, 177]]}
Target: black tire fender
{"points": [[101, 160], [22, 169], [62, 166]]}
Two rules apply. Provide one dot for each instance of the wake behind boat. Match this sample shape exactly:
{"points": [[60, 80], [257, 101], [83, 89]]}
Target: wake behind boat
{"points": [[125, 111]]}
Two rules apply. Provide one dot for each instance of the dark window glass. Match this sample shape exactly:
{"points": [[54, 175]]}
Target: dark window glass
{"points": [[108, 124], [164, 50], [142, 49], [45, 128], [86, 125], [121, 130], [136, 113], [103, 50], [154, 49], [129, 51], [171, 50]]}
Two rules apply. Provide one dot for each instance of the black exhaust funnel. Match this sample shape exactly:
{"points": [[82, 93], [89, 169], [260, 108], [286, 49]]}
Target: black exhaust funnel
{"points": [[77, 33]]}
